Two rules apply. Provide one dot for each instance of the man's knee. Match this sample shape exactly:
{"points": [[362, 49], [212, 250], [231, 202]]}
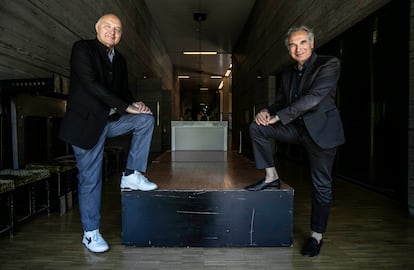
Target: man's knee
{"points": [[149, 118], [144, 120], [253, 128], [256, 131]]}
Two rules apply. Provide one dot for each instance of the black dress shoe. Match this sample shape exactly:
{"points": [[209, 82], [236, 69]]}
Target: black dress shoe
{"points": [[262, 185], [311, 248]]}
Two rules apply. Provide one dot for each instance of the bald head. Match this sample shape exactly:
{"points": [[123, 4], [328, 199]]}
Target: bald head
{"points": [[109, 30]]}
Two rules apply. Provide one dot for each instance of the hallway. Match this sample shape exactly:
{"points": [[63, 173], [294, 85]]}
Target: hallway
{"points": [[366, 231]]}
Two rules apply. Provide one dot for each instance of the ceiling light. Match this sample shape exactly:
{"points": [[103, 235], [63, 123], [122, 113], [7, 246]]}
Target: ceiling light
{"points": [[227, 73], [199, 53], [221, 85], [203, 88], [216, 77], [183, 77]]}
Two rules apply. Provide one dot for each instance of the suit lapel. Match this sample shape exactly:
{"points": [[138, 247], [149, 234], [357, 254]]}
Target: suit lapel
{"points": [[100, 57], [289, 89], [306, 74]]}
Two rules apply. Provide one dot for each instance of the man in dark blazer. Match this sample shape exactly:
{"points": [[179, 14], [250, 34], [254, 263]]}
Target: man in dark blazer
{"points": [[100, 105], [304, 113]]}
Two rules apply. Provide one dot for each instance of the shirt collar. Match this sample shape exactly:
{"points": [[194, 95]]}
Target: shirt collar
{"points": [[305, 65], [105, 50], [111, 54]]}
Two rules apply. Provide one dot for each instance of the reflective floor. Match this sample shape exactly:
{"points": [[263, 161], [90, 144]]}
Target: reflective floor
{"points": [[366, 230]]}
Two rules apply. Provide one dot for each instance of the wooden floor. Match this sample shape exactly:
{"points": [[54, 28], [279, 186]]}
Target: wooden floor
{"points": [[366, 230]]}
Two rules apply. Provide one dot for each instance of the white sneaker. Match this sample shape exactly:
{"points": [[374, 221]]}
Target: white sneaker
{"points": [[94, 241], [137, 181]]}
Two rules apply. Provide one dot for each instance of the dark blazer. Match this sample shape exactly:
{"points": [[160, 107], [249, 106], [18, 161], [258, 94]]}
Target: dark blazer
{"points": [[92, 94], [316, 102]]}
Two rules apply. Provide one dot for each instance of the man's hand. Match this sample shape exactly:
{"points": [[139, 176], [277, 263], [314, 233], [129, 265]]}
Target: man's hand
{"points": [[138, 107], [264, 118]]}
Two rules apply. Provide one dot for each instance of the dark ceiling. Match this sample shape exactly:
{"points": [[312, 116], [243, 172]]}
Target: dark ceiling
{"points": [[182, 31]]}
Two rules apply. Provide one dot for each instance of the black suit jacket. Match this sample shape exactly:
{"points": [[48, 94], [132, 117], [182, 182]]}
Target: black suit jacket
{"points": [[92, 94], [316, 102]]}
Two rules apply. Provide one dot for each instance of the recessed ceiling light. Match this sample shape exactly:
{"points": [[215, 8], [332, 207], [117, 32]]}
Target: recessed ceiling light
{"points": [[221, 85], [200, 53]]}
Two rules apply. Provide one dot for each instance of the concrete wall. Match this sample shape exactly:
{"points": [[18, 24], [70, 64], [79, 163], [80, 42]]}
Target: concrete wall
{"points": [[261, 51], [36, 38], [263, 38]]}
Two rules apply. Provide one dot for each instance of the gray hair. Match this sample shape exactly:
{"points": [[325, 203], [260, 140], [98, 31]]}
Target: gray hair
{"points": [[311, 35], [107, 14]]}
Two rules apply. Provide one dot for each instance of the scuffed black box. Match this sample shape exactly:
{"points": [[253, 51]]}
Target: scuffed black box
{"points": [[207, 218]]}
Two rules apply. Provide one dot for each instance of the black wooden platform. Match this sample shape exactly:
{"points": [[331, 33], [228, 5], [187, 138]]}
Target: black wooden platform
{"points": [[201, 202]]}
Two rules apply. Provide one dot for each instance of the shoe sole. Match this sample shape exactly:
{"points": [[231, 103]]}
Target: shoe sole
{"points": [[100, 251], [128, 189], [103, 251]]}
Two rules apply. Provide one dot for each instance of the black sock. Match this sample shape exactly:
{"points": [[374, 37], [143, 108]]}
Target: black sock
{"points": [[128, 172]]}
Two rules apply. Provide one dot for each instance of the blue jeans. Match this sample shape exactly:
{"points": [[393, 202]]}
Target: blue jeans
{"points": [[89, 163]]}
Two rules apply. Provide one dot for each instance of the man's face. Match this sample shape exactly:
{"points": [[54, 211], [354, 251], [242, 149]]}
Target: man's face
{"points": [[109, 30], [300, 47]]}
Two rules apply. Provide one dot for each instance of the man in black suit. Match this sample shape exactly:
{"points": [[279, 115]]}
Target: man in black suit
{"points": [[304, 112], [100, 105]]}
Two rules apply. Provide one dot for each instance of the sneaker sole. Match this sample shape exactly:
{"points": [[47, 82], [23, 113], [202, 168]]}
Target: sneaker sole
{"points": [[128, 189], [95, 251]]}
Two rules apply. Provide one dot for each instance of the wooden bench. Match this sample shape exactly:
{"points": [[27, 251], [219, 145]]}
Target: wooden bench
{"points": [[6, 201], [25, 185], [63, 182]]}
